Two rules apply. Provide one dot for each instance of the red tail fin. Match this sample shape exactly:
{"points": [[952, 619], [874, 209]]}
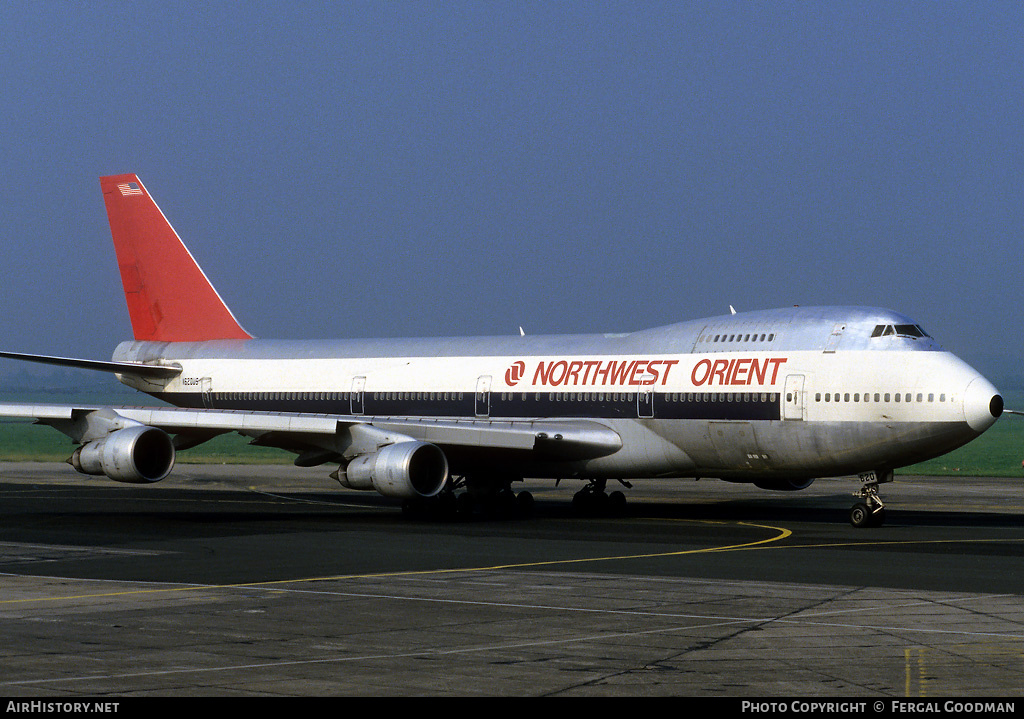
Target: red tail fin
{"points": [[169, 298]]}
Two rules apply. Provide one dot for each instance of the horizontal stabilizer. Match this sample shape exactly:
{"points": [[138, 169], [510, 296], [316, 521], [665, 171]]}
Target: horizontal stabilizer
{"points": [[132, 368]]}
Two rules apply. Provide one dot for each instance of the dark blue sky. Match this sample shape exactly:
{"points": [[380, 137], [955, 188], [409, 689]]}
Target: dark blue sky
{"points": [[445, 168]]}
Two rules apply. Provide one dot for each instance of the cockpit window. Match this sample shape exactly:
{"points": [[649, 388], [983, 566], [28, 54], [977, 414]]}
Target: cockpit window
{"points": [[909, 331], [914, 331]]}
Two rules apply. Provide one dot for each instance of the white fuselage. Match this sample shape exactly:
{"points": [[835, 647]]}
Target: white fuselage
{"points": [[778, 394]]}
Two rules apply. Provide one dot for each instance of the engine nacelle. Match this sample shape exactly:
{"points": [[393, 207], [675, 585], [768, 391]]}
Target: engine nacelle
{"points": [[407, 470], [136, 455], [784, 485]]}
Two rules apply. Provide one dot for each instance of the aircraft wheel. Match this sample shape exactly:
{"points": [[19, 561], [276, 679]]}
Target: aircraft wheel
{"points": [[616, 503], [581, 500], [504, 504], [862, 516], [524, 501], [592, 502]]}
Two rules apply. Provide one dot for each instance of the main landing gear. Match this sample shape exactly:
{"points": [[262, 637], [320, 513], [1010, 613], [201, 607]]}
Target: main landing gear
{"points": [[593, 499], [472, 496], [870, 512]]}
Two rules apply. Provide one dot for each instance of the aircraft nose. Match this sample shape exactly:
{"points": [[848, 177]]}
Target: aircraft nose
{"points": [[982, 404]]}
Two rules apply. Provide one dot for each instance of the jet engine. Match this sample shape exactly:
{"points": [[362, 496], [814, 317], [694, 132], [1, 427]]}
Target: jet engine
{"points": [[136, 455], [784, 485], [407, 470]]}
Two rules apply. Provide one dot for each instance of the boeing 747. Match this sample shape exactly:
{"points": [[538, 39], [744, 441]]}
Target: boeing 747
{"points": [[773, 398]]}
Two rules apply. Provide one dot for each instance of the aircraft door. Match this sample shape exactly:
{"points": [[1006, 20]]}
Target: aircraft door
{"points": [[645, 404], [483, 396], [206, 389], [793, 399], [356, 404]]}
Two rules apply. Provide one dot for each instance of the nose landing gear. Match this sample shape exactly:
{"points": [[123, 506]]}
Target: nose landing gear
{"points": [[870, 511]]}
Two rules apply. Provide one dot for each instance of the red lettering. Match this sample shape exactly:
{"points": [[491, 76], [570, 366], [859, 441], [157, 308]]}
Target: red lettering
{"points": [[542, 375], [619, 371], [625, 372], [704, 378], [737, 371], [562, 366], [776, 361], [758, 371], [729, 375], [719, 371], [741, 372], [668, 367], [574, 370], [638, 367], [652, 374]]}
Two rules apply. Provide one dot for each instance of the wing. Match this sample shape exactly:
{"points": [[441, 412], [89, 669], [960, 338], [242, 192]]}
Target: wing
{"points": [[138, 444]]}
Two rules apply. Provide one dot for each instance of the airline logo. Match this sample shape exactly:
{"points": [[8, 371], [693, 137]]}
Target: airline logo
{"points": [[739, 371], [128, 189], [515, 373]]}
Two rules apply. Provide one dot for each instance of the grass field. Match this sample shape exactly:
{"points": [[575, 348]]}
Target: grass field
{"points": [[26, 442], [22, 441], [997, 453]]}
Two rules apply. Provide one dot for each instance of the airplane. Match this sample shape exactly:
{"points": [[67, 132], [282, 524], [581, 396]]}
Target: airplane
{"points": [[774, 398]]}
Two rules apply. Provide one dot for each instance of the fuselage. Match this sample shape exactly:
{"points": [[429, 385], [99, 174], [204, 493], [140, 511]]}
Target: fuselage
{"points": [[790, 393]]}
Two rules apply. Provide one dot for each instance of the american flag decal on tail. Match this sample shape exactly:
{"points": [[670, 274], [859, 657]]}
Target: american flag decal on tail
{"points": [[130, 188]]}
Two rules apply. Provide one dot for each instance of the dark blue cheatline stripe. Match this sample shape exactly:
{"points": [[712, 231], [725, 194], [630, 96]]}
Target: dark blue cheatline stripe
{"points": [[718, 405], [605, 405]]}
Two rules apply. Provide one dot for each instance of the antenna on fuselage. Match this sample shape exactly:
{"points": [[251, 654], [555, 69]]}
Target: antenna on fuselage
{"points": [[732, 310]]}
